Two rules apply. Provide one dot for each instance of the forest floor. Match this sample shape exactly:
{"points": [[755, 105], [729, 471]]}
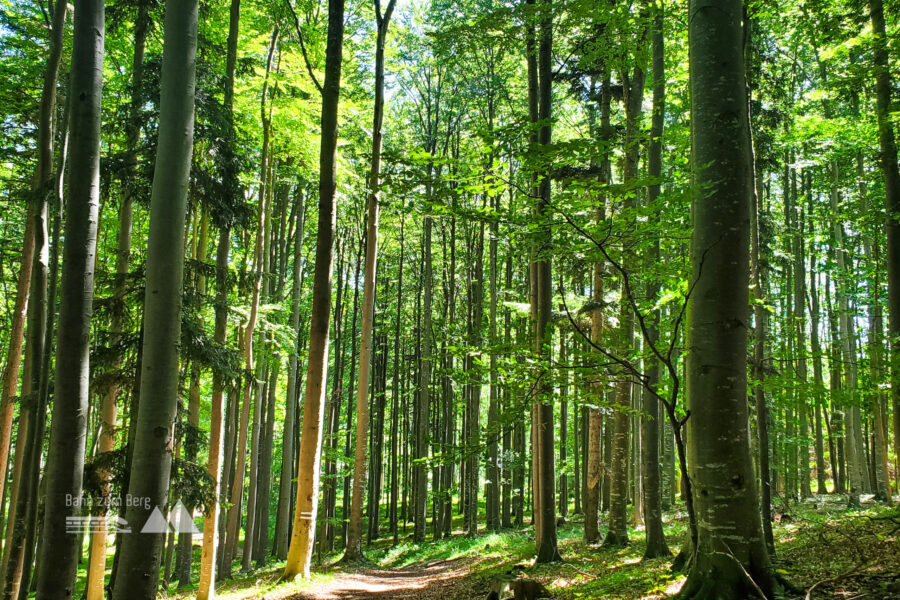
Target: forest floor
{"points": [[840, 554]]}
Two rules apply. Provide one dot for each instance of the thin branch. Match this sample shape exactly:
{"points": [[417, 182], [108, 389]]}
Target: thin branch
{"points": [[309, 68]]}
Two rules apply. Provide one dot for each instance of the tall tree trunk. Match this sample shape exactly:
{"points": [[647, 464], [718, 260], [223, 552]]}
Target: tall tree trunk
{"points": [[818, 381], [185, 538], [206, 588], [618, 493], [395, 392], [353, 550], [140, 554], [650, 417], [473, 388], [264, 486], [65, 458], [41, 187], [540, 65], [563, 427], [891, 175], [282, 526], [731, 559], [97, 566], [216, 521], [492, 486], [853, 443], [301, 547], [594, 434], [423, 397]]}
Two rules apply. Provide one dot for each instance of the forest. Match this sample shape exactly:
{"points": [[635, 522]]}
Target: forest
{"points": [[450, 299]]}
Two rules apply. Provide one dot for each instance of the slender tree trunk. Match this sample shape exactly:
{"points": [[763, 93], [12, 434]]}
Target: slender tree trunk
{"points": [[540, 64], [594, 434], [65, 458], [97, 565], [492, 486], [618, 492], [206, 589], [891, 175], [41, 187], [395, 406], [563, 427], [423, 397], [185, 538], [264, 486], [282, 526], [353, 550], [301, 547], [758, 254], [818, 382], [137, 573], [650, 417], [853, 446], [473, 389]]}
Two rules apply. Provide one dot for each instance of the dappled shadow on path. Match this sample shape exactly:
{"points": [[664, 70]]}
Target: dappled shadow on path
{"points": [[441, 580]]}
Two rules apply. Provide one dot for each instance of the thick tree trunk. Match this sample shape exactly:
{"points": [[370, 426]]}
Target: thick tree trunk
{"points": [[301, 547], [140, 554], [731, 559]]}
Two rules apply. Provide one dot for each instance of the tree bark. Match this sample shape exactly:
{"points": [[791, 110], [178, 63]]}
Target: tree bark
{"points": [[891, 174], [65, 458], [731, 559], [541, 48], [353, 550], [650, 418], [301, 547], [40, 190], [282, 526], [140, 553]]}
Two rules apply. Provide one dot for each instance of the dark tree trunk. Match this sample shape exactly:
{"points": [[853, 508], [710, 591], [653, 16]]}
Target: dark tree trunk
{"points": [[650, 418], [731, 559]]}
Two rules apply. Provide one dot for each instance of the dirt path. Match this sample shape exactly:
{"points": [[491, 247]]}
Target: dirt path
{"points": [[442, 580]]}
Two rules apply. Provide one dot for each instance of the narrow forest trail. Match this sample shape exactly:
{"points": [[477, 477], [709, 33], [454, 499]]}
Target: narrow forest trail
{"points": [[444, 580]]}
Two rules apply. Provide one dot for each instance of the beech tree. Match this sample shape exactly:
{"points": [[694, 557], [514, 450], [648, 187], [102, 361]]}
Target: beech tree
{"points": [[731, 559], [141, 553], [308, 470]]}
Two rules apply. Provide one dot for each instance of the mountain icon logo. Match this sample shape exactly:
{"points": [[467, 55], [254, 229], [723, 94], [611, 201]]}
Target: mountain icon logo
{"points": [[179, 521]]}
